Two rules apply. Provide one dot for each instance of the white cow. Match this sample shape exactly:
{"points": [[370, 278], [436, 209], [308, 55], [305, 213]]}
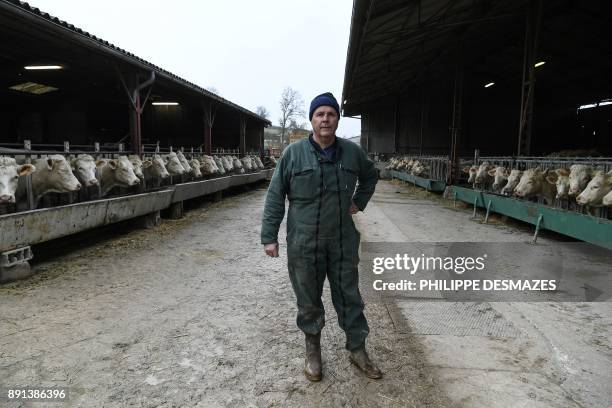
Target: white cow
{"points": [[500, 177], [184, 162], [594, 193], [195, 168], [246, 163], [228, 163], [10, 172], [238, 168], [560, 178], [84, 168], [116, 173], [471, 171], [209, 166], [137, 164], [513, 180], [483, 180], [258, 162], [533, 183], [219, 163], [154, 168], [579, 177], [53, 174], [607, 200], [173, 164]]}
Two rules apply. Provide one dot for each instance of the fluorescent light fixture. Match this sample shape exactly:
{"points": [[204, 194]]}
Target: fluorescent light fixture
{"points": [[539, 64], [605, 103], [42, 67], [489, 84], [33, 88], [165, 103]]}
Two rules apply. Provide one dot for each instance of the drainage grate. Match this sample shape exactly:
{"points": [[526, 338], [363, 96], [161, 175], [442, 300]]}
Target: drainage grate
{"points": [[456, 319]]}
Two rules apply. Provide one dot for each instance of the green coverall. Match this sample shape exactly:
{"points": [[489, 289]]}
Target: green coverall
{"points": [[321, 237]]}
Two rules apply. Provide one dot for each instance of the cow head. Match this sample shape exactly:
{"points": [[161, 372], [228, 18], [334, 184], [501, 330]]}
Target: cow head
{"points": [[531, 183], [10, 172], [59, 176], [84, 168], [579, 177], [500, 177], [560, 178], [599, 186]]}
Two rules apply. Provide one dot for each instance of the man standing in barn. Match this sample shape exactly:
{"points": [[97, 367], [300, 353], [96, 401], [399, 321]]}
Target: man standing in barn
{"points": [[319, 174]]}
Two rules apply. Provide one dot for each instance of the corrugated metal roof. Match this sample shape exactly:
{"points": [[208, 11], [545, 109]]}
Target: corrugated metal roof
{"points": [[63, 26]]}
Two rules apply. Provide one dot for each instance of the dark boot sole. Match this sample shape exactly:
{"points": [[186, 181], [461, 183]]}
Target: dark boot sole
{"points": [[313, 378], [370, 376]]}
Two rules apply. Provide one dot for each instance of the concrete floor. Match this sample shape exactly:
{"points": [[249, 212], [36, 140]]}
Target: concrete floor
{"points": [[546, 354], [192, 313]]}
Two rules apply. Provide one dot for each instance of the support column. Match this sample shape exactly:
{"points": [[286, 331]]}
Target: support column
{"points": [[132, 86], [261, 142], [532, 30], [455, 130], [424, 109], [396, 130], [242, 135], [210, 112]]}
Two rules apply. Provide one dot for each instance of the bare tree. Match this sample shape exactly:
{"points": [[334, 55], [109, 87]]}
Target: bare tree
{"points": [[292, 108], [214, 90], [262, 111]]}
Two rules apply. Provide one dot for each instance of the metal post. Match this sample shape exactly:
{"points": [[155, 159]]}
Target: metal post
{"points": [[424, 107], [210, 112], [532, 29], [397, 126], [537, 228], [132, 90], [488, 211], [242, 144], [27, 145], [456, 120]]}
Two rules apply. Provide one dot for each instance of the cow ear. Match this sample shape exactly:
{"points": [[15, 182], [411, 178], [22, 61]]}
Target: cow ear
{"points": [[147, 163], [545, 172], [537, 168], [491, 172], [466, 169], [113, 164], [26, 169], [552, 178], [562, 172], [49, 163]]}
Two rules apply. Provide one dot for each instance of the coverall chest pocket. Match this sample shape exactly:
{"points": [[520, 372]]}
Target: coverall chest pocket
{"points": [[304, 183], [349, 177]]}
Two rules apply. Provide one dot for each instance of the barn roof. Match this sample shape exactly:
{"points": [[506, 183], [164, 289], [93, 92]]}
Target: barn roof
{"points": [[397, 45], [21, 22]]}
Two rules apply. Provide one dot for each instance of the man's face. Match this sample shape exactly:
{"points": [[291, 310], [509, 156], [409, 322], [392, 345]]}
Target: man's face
{"points": [[324, 122]]}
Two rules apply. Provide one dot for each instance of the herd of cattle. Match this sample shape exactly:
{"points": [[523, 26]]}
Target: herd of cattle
{"points": [[57, 174], [408, 165], [584, 184]]}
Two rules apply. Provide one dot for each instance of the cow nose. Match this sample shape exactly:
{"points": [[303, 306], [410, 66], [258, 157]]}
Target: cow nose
{"points": [[93, 182], [78, 186], [5, 198]]}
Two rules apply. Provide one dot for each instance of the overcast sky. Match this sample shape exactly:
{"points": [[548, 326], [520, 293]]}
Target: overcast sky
{"points": [[248, 50]]}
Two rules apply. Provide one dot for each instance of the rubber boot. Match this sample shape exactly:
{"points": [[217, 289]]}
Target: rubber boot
{"points": [[360, 358], [312, 366]]}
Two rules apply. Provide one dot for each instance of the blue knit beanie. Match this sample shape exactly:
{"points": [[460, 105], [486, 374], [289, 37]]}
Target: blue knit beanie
{"points": [[325, 99]]}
